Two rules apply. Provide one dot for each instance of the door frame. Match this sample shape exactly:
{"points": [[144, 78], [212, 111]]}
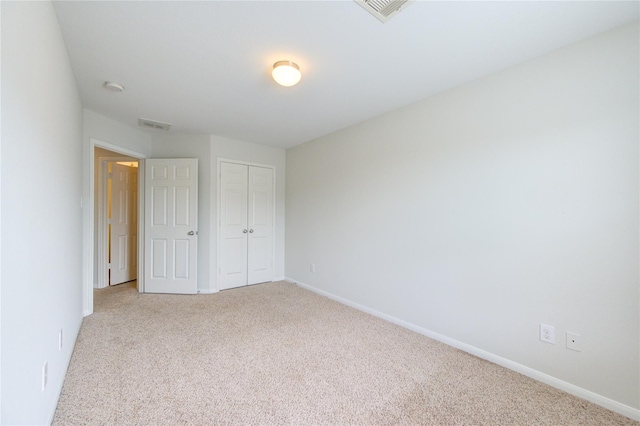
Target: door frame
{"points": [[102, 228], [219, 209], [89, 219]]}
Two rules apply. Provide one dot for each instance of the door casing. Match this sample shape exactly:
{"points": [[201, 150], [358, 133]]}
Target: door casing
{"points": [[87, 203]]}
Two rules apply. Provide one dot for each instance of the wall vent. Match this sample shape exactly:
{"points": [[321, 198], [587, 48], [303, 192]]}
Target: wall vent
{"points": [[383, 9], [144, 122]]}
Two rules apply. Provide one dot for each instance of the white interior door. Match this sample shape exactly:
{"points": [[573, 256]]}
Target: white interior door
{"points": [[171, 225], [246, 225], [123, 226]]}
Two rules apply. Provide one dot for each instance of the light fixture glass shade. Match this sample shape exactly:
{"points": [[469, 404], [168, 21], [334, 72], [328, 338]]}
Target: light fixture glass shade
{"points": [[286, 73], [114, 87]]}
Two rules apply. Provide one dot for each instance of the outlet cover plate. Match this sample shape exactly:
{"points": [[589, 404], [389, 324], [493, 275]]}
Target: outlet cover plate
{"points": [[574, 341], [548, 333]]}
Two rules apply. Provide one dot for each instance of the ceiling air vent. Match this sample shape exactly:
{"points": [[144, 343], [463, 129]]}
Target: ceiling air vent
{"points": [[383, 9], [153, 124]]}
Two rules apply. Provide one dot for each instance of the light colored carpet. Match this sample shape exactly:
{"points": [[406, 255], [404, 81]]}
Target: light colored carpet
{"points": [[275, 354]]}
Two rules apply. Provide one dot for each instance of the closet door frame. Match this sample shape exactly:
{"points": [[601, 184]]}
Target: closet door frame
{"points": [[219, 210]]}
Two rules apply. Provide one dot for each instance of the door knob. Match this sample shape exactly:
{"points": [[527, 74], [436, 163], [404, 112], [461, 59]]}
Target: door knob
{"points": [[251, 231], [244, 231], [191, 233]]}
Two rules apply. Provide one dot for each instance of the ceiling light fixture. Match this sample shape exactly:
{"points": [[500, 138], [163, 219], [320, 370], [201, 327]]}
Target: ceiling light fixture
{"points": [[286, 73], [114, 87]]}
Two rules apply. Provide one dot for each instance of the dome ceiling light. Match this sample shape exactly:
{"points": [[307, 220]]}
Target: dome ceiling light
{"points": [[114, 87], [286, 73]]}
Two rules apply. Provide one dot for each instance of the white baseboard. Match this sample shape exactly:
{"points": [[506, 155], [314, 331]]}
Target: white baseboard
{"points": [[595, 398], [207, 291]]}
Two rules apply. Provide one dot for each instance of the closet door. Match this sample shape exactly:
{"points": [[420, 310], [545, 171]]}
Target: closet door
{"points": [[246, 225]]}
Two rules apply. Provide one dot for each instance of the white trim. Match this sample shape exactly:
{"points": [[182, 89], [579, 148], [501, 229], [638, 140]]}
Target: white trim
{"points": [[593, 397], [207, 291], [141, 226], [101, 243], [88, 240], [218, 208], [115, 148]]}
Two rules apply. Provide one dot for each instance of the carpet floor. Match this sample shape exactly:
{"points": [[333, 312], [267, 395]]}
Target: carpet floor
{"points": [[277, 354]]}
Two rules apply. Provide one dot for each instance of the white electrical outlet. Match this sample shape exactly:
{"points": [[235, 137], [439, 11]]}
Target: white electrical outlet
{"points": [[547, 333], [45, 373], [574, 341], [312, 268]]}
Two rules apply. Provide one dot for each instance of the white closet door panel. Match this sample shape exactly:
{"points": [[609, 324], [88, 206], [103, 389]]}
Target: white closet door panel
{"points": [[260, 262], [233, 225]]}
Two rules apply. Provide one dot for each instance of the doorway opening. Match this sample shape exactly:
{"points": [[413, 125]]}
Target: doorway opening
{"points": [[116, 218]]}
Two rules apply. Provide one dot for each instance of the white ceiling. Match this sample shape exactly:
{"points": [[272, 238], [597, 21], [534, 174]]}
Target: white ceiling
{"points": [[205, 67]]}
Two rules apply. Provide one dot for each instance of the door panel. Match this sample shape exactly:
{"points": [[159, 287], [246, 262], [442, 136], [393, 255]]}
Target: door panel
{"points": [[233, 225], [171, 188], [260, 262], [182, 206], [181, 259], [159, 258], [123, 223], [236, 253], [260, 254], [159, 206]]}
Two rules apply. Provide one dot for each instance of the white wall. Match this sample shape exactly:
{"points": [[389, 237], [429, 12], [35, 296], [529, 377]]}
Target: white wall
{"points": [[230, 149], [41, 215], [481, 212], [105, 129], [194, 146]]}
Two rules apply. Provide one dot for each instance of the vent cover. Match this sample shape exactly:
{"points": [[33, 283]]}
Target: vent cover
{"points": [[383, 9], [144, 122]]}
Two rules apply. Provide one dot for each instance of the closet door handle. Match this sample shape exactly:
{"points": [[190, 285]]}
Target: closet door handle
{"points": [[244, 231], [251, 231], [191, 233]]}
